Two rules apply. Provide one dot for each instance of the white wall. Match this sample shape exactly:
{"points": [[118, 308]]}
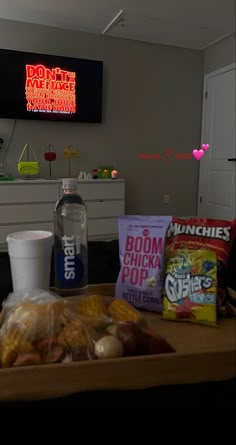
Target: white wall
{"points": [[220, 54], [152, 101]]}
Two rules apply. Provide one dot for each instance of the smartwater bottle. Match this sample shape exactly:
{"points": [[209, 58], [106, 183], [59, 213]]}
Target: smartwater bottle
{"points": [[71, 241]]}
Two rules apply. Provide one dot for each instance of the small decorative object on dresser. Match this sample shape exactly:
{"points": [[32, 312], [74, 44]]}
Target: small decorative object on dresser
{"points": [[114, 174], [84, 175], [50, 155], [95, 173], [105, 171], [28, 168], [69, 153]]}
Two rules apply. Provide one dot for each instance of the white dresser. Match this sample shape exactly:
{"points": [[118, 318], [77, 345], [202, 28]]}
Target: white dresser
{"points": [[28, 205]]}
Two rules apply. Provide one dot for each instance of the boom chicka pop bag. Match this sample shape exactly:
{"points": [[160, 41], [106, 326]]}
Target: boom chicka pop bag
{"points": [[207, 234], [142, 250]]}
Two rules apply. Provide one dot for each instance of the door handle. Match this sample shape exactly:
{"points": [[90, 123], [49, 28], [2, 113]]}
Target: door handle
{"points": [[231, 159]]}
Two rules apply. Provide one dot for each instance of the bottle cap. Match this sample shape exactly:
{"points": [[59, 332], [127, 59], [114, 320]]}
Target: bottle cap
{"points": [[69, 183]]}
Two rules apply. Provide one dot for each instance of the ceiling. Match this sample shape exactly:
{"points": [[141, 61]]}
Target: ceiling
{"points": [[186, 23]]}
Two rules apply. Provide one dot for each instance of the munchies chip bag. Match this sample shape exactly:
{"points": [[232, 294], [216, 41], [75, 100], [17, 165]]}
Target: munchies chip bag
{"points": [[207, 234], [142, 250]]}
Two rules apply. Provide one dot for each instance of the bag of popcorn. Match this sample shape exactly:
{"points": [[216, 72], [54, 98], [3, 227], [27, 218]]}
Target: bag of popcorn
{"points": [[141, 250]]}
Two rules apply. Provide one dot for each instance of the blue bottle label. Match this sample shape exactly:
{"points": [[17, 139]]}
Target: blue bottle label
{"points": [[70, 267]]}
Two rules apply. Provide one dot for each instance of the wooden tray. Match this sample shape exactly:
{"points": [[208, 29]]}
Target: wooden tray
{"points": [[203, 354]]}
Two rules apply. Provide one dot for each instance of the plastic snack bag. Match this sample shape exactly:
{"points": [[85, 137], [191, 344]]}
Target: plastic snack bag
{"points": [[142, 248], [29, 329], [191, 287], [209, 234], [46, 329]]}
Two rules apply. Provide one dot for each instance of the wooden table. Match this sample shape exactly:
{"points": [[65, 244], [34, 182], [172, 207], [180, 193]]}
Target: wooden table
{"points": [[203, 354]]}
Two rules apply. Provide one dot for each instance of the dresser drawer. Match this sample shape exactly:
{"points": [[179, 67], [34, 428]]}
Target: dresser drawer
{"points": [[18, 192], [23, 213], [100, 190], [103, 227], [107, 208]]}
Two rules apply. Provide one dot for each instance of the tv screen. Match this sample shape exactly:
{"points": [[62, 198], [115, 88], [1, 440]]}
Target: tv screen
{"points": [[39, 86]]}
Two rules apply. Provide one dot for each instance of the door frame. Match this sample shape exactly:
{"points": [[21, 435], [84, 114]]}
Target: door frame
{"points": [[207, 76]]}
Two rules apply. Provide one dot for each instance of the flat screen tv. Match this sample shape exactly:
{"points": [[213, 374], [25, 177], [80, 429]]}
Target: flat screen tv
{"points": [[39, 86]]}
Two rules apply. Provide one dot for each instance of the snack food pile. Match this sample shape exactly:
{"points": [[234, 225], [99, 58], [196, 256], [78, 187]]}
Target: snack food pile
{"points": [[176, 266], [35, 332]]}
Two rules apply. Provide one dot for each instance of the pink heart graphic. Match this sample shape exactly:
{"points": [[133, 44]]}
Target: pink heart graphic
{"points": [[198, 154], [205, 147]]}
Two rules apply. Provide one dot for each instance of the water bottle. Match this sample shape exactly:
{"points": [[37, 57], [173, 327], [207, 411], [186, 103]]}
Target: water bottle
{"points": [[71, 241]]}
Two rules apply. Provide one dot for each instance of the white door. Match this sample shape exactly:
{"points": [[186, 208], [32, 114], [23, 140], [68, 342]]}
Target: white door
{"points": [[216, 197]]}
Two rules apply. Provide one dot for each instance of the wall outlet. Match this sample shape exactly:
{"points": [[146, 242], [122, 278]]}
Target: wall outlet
{"points": [[166, 199]]}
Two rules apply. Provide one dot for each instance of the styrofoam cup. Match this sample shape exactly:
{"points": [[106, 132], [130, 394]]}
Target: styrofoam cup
{"points": [[30, 258]]}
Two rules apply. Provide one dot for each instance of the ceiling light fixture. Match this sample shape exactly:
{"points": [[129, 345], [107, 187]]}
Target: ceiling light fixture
{"points": [[117, 19]]}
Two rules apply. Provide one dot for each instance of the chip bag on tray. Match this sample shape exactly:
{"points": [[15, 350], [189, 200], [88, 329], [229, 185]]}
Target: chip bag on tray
{"points": [[208, 234]]}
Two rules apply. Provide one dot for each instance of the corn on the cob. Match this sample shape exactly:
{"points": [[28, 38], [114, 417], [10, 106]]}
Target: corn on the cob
{"points": [[93, 306], [13, 344], [75, 335], [120, 310]]}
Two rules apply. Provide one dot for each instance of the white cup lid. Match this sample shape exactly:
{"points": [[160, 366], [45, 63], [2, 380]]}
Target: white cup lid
{"points": [[29, 235]]}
